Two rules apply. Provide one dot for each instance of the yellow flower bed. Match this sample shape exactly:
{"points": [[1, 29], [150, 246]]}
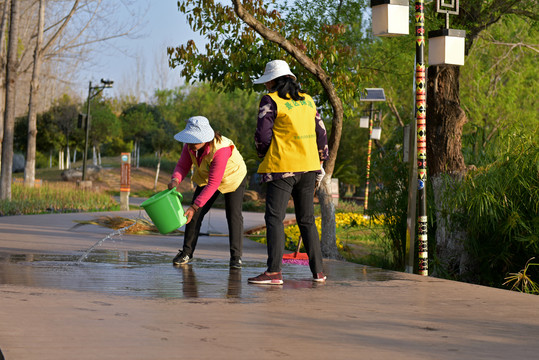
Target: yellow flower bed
{"points": [[342, 220]]}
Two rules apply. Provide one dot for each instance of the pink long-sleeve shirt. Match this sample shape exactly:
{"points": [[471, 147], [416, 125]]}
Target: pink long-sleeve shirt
{"points": [[215, 176]]}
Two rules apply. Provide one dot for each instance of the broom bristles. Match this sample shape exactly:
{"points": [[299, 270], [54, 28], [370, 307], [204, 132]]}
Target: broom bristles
{"points": [[296, 258], [296, 261]]}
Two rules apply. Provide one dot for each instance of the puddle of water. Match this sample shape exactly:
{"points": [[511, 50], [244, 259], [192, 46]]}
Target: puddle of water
{"points": [[151, 274]]}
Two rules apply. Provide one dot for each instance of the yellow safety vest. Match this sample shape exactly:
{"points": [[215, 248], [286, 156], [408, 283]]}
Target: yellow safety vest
{"points": [[293, 146], [235, 170]]}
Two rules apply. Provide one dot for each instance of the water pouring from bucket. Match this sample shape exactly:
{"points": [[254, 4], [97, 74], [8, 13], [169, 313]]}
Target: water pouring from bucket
{"points": [[165, 210]]}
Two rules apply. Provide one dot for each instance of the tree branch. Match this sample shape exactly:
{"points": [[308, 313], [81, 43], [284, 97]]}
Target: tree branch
{"points": [[55, 36], [395, 111], [309, 65]]}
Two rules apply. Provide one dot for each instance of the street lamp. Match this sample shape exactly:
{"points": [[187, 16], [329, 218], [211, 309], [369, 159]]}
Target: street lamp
{"points": [[92, 92], [443, 51], [371, 95], [446, 46], [390, 17]]}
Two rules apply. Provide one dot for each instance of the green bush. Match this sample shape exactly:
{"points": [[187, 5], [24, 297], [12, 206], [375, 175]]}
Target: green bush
{"points": [[42, 161], [500, 211]]}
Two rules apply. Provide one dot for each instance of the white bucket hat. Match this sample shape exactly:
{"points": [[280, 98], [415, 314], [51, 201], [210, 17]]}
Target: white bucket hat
{"points": [[197, 131], [274, 69]]}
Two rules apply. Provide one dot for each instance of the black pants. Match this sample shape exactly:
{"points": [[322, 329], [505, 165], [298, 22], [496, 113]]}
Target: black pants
{"points": [[301, 187], [234, 218]]}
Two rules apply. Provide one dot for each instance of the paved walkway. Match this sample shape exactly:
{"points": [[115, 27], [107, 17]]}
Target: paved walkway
{"points": [[126, 301]]}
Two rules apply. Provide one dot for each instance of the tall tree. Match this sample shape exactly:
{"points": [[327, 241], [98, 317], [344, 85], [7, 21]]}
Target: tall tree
{"points": [[3, 25], [40, 50], [162, 142], [30, 166], [137, 122], [105, 127], [9, 116]]}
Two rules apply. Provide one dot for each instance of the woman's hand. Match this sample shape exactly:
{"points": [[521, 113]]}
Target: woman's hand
{"points": [[172, 184], [190, 212], [320, 177]]}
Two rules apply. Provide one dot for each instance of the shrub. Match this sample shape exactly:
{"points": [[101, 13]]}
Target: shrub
{"points": [[500, 212]]}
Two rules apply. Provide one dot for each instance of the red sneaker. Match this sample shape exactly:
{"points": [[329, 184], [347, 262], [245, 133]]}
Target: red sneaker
{"points": [[267, 279], [320, 277]]}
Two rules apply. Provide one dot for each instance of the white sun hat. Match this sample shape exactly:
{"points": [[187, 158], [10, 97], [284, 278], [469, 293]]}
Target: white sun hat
{"points": [[197, 131], [274, 69]]}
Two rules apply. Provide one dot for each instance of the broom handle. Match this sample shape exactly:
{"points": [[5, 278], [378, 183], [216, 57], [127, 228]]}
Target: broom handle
{"points": [[299, 244]]}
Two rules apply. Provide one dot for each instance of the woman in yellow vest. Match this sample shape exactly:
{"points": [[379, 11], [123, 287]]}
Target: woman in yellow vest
{"points": [[291, 138], [218, 169]]}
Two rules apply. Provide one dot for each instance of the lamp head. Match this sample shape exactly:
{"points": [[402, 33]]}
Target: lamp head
{"points": [[107, 83], [373, 94]]}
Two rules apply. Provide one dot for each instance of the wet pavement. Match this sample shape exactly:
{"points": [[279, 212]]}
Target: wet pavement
{"points": [[150, 274], [125, 300]]}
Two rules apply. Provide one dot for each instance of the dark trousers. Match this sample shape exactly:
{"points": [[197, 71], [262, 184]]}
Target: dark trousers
{"points": [[301, 187], [234, 218]]}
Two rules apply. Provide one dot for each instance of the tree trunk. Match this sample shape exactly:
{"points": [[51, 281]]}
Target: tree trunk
{"points": [[68, 159], [445, 120], [94, 156], [3, 25], [157, 171], [138, 154], [9, 117], [30, 166], [61, 159], [329, 226]]}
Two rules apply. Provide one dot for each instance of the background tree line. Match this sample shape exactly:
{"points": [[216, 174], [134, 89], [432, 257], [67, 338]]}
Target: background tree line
{"points": [[43, 44]]}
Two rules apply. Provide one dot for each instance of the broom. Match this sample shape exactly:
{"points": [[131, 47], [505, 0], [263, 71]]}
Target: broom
{"points": [[296, 257]]}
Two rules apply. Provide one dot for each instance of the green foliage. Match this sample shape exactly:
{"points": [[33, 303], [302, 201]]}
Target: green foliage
{"points": [[522, 281], [233, 114], [327, 32], [139, 120], [105, 126], [499, 74], [42, 161], [500, 209]]}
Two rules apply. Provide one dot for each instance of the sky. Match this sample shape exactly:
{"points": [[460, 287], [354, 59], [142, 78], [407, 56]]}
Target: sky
{"points": [[162, 25]]}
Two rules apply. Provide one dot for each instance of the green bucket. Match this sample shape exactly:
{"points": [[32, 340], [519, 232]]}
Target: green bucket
{"points": [[165, 210]]}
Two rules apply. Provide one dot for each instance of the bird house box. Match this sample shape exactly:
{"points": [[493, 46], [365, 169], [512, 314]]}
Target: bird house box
{"points": [[446, 47], [376, 133], [364, 122], [390, 17]]}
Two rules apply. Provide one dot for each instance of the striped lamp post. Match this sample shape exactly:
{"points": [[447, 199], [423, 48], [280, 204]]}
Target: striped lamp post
{"points": [[421, 120], [371, 95]]}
